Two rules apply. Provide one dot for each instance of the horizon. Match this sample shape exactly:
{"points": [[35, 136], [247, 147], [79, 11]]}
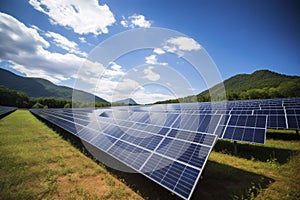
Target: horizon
{"points": [[43, 41]]}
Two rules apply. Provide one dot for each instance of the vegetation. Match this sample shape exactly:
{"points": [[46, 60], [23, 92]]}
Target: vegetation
{"points": [[14, 98], [36, 163], [41, 88], [19, 99], [262, 84]]}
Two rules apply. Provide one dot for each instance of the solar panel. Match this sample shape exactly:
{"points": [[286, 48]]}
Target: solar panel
{"points": [[6, 109]]}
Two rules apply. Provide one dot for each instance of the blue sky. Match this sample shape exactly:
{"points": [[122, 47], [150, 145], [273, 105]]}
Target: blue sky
{"points": [[53, 39]]}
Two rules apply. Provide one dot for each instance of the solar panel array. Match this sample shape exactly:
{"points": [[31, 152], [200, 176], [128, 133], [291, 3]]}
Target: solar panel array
{"points": [[234, 127], [170, 143], [5, 110], [154, 151]]}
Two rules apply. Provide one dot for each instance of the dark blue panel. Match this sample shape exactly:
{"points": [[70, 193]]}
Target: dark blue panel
{"points": [[186, 183], [102, 141], [172, 175], [87, 134], [145, 140], [228, 133], [260, 122], [248, 135], [131, 155], [259, 135], [170, 119], [251, 121], [238, 134], [293, 121], [233, 120], [183, 151], [242, 119], [281, 121], [113, 130]]}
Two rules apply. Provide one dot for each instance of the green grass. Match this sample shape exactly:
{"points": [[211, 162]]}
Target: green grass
{"points": [[269, 171], [36, 163]]}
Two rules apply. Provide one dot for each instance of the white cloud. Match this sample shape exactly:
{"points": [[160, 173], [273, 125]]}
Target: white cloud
{"points": [[65, 43], [82, 16], [82, 39], [114, 70], [152, 59], [26, 50], [126, 86], [134, 21], [150, 74], [159, 51], [113, 90], [180, 44], [124, 22], [140, 21]]}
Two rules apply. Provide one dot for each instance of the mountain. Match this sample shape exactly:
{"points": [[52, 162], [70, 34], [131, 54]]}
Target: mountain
{"points": [[260, 84], [38, 87], [128, 101]]}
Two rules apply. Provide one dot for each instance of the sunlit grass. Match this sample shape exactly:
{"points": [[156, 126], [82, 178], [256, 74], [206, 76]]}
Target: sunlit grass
{"points": [[36, 163], [278, 161]]}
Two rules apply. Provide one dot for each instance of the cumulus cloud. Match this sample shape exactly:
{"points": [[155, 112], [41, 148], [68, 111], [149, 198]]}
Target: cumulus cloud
{"points": [[134, 21], [82, 16], [113, 90], [159, 51], [26, 50], [82, 39], [129, 88], [181, 44], [150, 74], [65, 43], [140, 21], [152, 59], [124, 22], [114, 70]]}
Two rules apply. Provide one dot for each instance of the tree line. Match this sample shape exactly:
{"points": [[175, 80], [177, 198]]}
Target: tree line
{"points": [[19, 99]]}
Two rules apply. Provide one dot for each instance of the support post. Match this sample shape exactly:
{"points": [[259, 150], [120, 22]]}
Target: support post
{"points": [[297, 132], [234, 147]]}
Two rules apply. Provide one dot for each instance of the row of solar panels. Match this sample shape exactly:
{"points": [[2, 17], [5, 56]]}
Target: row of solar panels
{"points": [[238, 105], [278, 117], [170, 149], [170, 144], [5, 110], [173, 162]]}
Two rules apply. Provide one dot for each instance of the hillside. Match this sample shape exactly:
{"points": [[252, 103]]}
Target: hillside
{"points": [[38, 87], [260, 84], [128, 101]]}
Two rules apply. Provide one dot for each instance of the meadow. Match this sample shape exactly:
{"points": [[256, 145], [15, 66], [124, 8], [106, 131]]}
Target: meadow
{"points": [[39, 161]]}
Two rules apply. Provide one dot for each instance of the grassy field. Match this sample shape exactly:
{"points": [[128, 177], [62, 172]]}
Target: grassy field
{"points": [[37, 163]]}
